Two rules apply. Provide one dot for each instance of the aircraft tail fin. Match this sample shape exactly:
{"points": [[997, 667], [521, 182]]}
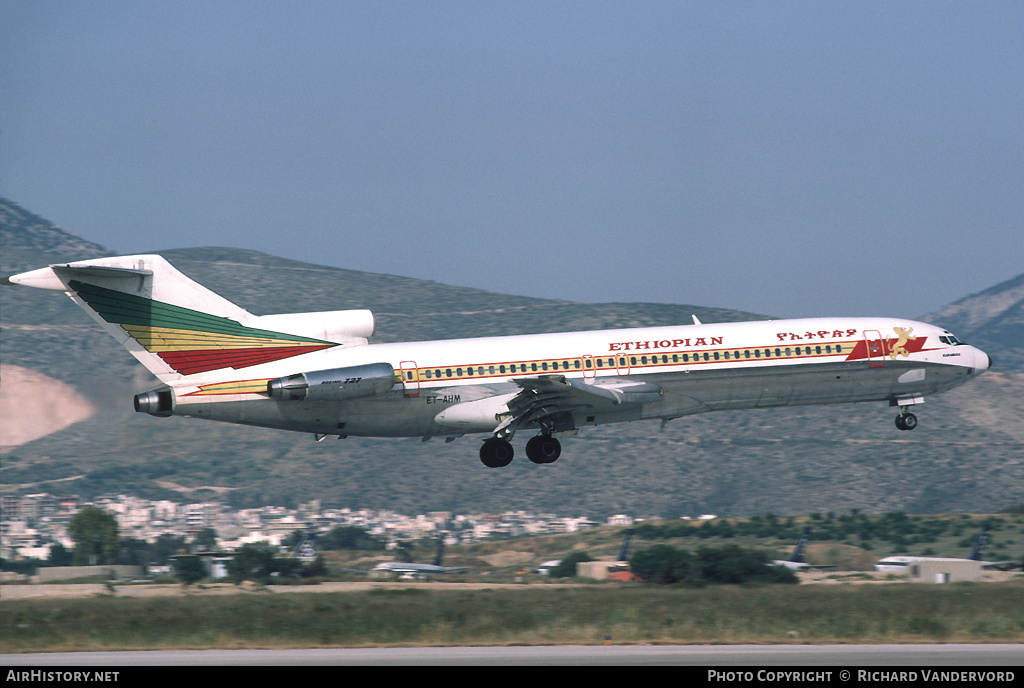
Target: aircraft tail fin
{"points": [[797, 557], [439, 554], [174, 326], [624, 550], [979, 544]]}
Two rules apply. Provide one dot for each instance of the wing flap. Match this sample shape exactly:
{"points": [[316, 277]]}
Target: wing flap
{"points": [[550, 400]]}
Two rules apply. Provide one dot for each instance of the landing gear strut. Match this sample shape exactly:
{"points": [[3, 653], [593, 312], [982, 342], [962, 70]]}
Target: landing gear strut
{"points": [[496, 453], [906, 421], [543, 449]]}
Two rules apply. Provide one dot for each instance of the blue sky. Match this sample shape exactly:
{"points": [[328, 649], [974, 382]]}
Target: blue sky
{"points": [[787, 158]]}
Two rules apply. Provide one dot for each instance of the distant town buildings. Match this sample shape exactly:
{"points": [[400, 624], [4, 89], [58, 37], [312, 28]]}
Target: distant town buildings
{"points": [[31, 524]]}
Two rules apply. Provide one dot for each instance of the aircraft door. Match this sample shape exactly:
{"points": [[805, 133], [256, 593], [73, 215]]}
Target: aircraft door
{"points": [[410, 378], [589, 367], [875, 348], [623, 364]]}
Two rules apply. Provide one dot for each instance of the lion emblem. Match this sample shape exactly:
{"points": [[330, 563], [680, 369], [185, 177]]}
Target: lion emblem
{"points": [[900, 347]]}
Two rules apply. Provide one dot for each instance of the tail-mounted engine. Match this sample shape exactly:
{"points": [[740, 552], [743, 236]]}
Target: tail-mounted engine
{"points": [[338, 384], [156, 402]]}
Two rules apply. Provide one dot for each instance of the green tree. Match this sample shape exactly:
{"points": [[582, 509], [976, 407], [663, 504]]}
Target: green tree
{"points": [[165, 547], [662, 564], [189, 569], [205, 539], [253, 562], [95, 535], [60, 555], [134, 552], [315, 569], [348, 537], [734, 564]]}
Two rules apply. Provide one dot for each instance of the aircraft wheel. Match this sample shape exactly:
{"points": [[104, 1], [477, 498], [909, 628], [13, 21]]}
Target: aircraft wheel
{"points": [[543, 449], [496, 453], [906, 421]]}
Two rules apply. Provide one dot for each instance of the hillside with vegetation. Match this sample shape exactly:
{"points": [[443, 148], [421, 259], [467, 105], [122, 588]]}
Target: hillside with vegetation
{"points": [[966, 455]]}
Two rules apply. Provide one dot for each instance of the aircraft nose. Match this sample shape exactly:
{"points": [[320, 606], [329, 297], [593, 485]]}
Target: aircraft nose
{"points": [[982, 361]]}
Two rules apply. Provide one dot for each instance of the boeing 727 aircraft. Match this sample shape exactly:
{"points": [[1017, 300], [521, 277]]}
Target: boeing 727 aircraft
{"points": [[317, 372], [796, 559]]}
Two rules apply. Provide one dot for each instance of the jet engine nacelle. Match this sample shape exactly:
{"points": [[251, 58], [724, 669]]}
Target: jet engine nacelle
{"points": [[156, 402], [338, 384]]}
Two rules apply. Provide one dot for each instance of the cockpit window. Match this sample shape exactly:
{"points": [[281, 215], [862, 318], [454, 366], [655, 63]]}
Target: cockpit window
{"points": [[950, 339]]}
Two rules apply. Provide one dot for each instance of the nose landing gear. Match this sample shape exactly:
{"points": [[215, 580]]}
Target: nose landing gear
{"points": [[906, 421]]}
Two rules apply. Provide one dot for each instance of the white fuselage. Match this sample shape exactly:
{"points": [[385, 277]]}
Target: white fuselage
{"points": [[453, 387]]}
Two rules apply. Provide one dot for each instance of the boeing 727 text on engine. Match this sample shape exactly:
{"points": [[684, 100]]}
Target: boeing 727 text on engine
{"points": [[318, 373]]}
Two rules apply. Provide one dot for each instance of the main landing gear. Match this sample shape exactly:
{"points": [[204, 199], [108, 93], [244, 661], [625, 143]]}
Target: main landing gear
{"points": [[497, 452], [543, 449]]}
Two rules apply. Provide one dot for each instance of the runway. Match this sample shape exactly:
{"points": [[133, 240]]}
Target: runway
{"points": [[962, 656]]}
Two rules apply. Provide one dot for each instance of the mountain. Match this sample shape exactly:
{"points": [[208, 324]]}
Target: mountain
{"points": [[992, 320], [22, 232], [965, 455]]}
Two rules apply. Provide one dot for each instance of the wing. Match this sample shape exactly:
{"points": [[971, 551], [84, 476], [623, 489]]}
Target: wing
{"points": [[551, 400]]}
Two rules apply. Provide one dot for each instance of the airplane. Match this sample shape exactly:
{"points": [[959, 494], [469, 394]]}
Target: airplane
{"points": [[410, 570], [796, 559], [306, 547], [317, 372], [902, 563]]}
